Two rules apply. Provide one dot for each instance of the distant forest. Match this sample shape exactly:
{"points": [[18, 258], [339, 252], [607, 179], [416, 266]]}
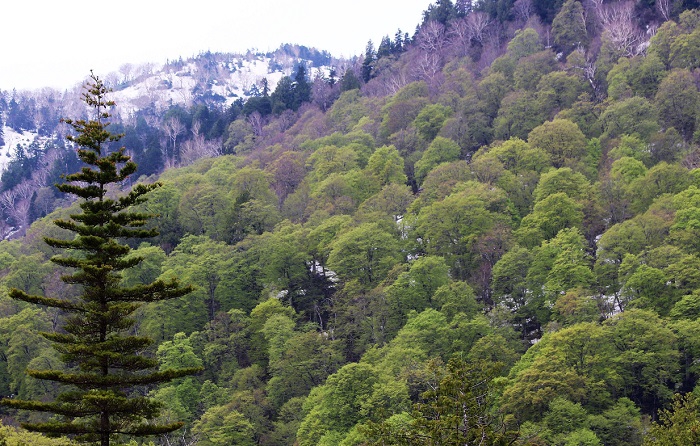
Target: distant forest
{"points": [[484, 229]]}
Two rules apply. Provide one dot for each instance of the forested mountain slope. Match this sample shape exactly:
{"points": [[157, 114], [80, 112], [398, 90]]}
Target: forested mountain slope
{"points": [[169, 115], [486, 230]]}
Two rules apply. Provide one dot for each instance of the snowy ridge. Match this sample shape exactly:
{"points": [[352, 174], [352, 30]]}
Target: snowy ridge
{"points": [[216, 79], [223, 81]]}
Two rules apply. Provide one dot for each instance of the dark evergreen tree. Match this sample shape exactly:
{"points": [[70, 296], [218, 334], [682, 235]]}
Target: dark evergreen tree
{"points": [[259, 102], [17, 171], [302, 88], [453, 411], [547, 9], [283, 97], [501, 10], [18, 116], [106, 368], [234, 111], [265, 87], [398, 45], [349, 81], [385, 47], [332, 78], [462, 8], [368, 63], [442, 11]]}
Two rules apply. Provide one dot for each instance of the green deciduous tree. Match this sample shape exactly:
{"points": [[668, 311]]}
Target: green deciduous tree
{"points": [[454, 411], [562, 139], [106, 363], [548, 217], [678, 425], [365, 253], [677, 101], [631, 116], [387, 165], [450, 228], [430, 120], [223, 425], [441, 150]]}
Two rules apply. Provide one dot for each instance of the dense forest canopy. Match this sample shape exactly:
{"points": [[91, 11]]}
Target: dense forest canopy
{"points": [[485, 229]]}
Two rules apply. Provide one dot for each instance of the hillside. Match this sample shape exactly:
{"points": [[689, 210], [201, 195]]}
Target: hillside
{"points": [[484, 231], [156, 108]]}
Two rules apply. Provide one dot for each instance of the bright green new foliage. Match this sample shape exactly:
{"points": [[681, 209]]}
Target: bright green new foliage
{"points": [[105, 365]]}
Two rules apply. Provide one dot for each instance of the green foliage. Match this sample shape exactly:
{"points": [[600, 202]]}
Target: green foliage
{"points": [[620, 425], [335, 407], [569, 27], [528, 209], [561, 139], [451, 227], [221, 425], [413, 290], [549, 216], [677, 100], [430, 120], [558, 91], [365, 253], [453, 412], [439, 151], [205, 264], [635, 115], [573, 184], [524, 43], [10, 436], [678, 425], [530, 70], [387, 165], [517, 116]]}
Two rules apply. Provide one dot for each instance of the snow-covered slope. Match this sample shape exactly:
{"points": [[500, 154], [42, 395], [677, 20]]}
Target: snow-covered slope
{"points": [[12, 139], [218, 78], [215, 78]]}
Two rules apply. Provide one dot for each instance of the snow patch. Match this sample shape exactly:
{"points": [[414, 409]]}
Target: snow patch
{"points": [[12, 139], [172, 85]]}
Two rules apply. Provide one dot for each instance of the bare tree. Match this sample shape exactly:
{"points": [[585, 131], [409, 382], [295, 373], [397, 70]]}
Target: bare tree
{"points": [[173, 128], [322, 92], [477, 24], [523, 9], [664, 8], [183, 89], [20, 214], [432, 37], [198, 147], [7, 199], [15, 205], [112, 79], [395, 82], [188, 153], [427, 66], [182, 437], [25, 190], [256, 121], [587, 68], [127, 72], [459, 36], [41, 175], [619, 25]]}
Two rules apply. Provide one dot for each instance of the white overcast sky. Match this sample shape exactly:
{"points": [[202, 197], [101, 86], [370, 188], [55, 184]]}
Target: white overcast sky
{"points": [[55, 43]]}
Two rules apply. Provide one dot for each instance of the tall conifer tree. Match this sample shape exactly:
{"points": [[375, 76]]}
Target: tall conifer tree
{"points": [[105, 365]]}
